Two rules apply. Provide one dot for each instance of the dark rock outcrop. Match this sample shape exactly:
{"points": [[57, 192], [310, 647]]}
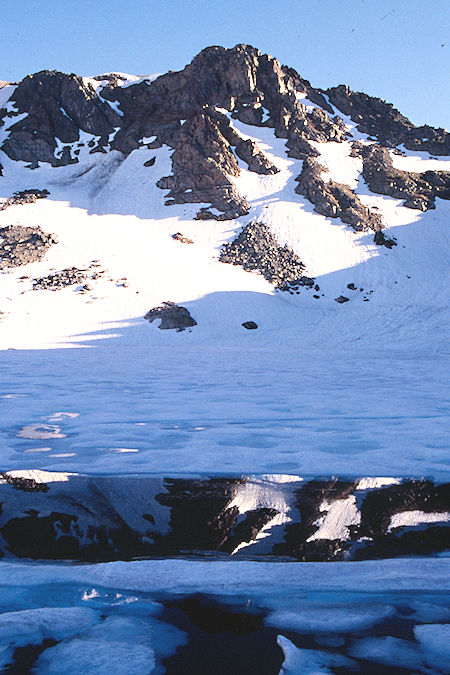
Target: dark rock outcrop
{"points": [[249, 152], [250, 325], [57, 106], [335, 200], [377, 118], [419, 190], [256, 250], [380, 239], [22, 245], [202, 163], [181, 110], [172, 317]]}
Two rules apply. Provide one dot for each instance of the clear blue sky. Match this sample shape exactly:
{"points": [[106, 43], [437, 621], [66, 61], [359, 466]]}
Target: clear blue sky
{"points": [[396, 49]]}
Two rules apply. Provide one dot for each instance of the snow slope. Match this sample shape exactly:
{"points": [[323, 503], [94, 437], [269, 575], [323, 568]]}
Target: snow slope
{"points": [[319, 387]]}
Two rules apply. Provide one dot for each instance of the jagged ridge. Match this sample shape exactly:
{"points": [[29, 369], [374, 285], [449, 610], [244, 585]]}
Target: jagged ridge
{"points": [[185, 110]]}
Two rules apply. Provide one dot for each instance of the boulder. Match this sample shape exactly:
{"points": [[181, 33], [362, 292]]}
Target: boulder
{"points": [[172, 317]]}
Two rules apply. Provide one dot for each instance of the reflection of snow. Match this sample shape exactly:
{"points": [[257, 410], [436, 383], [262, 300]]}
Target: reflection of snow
{"points": [[39, 476], [270, 491], [414, 518], [339, 515], [374, 483]]}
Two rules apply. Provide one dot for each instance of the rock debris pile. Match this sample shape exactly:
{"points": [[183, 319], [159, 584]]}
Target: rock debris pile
{"points": [[22, 245], [24, 197], [256, 250], [70, 276]]}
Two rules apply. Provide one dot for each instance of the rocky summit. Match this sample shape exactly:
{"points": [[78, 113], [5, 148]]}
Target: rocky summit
{"points": [[51, 116]]}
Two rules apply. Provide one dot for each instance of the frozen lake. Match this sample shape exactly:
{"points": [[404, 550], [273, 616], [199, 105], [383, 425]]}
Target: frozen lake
{"points": [[226, 410]]}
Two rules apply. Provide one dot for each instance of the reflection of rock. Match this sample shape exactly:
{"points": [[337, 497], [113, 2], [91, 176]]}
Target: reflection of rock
{"points": [[247, 529], [310, 500], [63, 516], [380, 505], [256, 250], [200, 517], [172, 316], [22, 245], [25, 484]]}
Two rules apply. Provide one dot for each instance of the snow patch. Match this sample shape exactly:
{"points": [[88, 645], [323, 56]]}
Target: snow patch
{"points": [[32, 626], [310, 661], [435, 641], [305, 618]]}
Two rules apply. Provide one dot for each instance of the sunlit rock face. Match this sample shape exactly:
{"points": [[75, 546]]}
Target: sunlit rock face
{"points": [[190, 111]]}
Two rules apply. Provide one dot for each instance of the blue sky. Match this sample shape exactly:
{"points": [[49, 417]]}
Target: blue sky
{"points": [[396, 49]]}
